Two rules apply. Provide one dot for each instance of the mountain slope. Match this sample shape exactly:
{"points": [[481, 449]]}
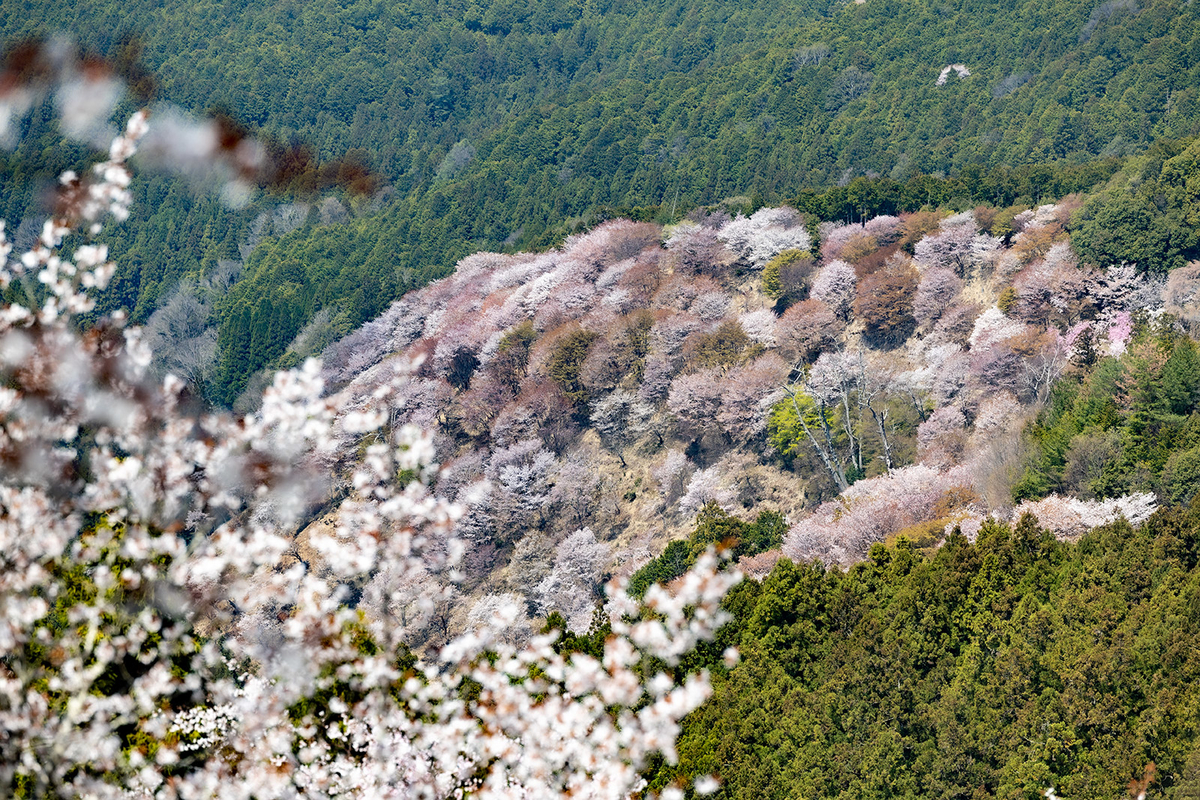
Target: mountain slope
{"points": [[869, 383]]}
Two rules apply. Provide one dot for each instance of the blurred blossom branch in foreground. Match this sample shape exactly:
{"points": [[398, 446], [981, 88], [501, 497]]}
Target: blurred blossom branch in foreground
{"points": [[155, 640], [216, 149]]}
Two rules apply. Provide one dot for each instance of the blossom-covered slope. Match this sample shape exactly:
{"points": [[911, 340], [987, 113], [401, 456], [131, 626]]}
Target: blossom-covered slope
{"points": [[590, 400]]}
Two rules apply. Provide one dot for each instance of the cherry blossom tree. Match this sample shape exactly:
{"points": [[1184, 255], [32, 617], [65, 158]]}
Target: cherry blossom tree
{"points": [[997, 368], [997, 414], [696, 250], [710, 306], [1181, 295], [950, 367], [577, 494], [612, 241], [958, 69], [836, 286], [1119, 333], [393, 331], [706, 486], [422, 401], [567, 303], [940, 438], [1053, 290], [1045, 361], [504, 614], [993, 326], [579, 561], [841, 531], [834, 381], [938, 290], [877, 383], [158, 639], [806, 330], [1069, 517], [695, 400], [955, 325], [656, 378], [681, 290], [668, 334], [671, 474], [764, 234], [885, 228], [759, 326], [747, 394], [836, 239], [1122, 287], [621, 419], [522, 478], [948, 248]]}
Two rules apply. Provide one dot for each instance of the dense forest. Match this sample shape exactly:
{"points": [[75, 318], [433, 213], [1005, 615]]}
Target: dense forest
{"points": [[993, 669]]}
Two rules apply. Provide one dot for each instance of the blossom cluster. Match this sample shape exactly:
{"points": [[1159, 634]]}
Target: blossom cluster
{"points": [[1071, 517], [667, 351], [973, 374]]}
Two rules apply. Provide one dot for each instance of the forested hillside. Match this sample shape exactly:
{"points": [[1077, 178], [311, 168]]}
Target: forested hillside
{"points": [[934, 442], [900, 377], [868, 329], [511, 124]]}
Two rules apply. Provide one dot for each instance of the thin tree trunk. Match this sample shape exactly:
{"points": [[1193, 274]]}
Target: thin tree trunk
{"points": [[828, 455], [847, 425], [881, 421]]}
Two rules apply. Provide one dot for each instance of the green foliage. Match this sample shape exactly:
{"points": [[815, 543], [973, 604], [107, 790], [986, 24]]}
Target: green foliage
{"points": [[353, 270], [566, 362], [1181, 476], [1118, 227], [772, 284], [784, 429], [590, 643], [634, 345], [1128, 424], [667, 567], [988, 670], [772, 277], [512, 356], [1007, 300], [714, 528], [765, 533], [1147, 215], [1076, 409], [724, 347]]}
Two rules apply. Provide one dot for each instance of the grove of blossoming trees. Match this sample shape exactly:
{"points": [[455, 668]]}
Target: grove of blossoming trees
{"points": [[934, 344]]}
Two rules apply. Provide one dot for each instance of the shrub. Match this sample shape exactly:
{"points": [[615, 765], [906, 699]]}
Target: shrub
{"points": [[722, 348], [787, 274], [566, 363]]}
